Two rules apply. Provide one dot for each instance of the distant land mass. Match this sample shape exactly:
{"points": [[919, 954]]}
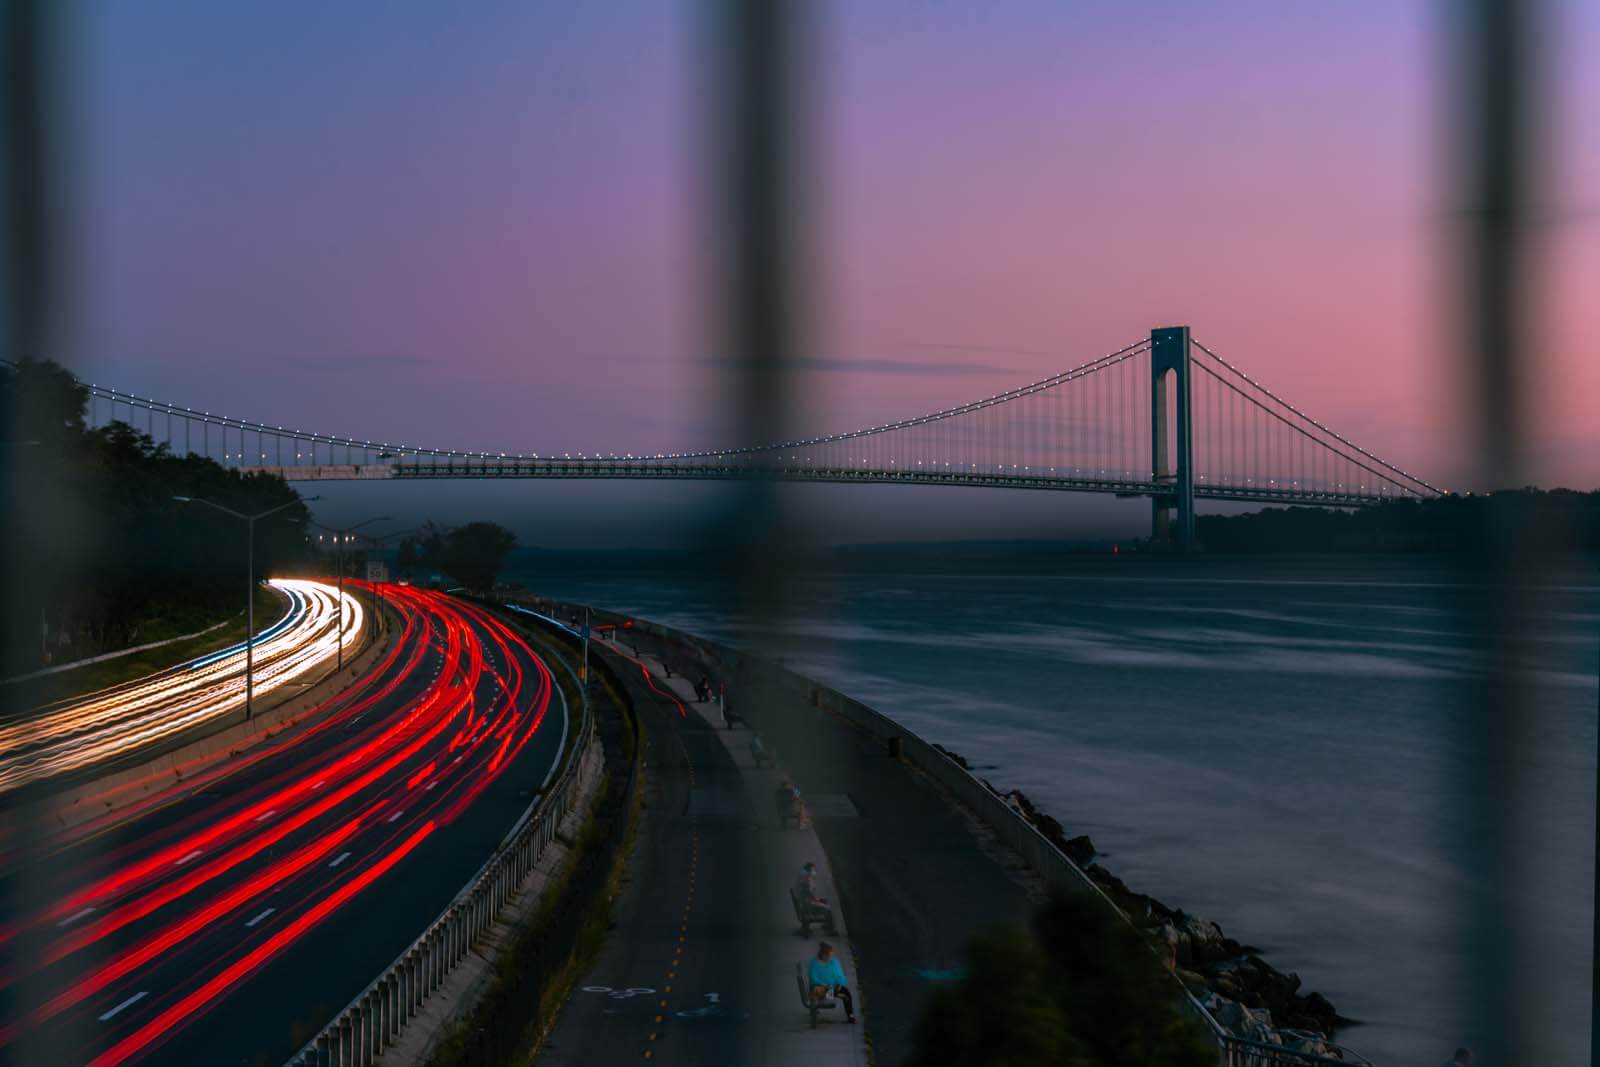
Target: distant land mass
{"points": [[1555, 520]]}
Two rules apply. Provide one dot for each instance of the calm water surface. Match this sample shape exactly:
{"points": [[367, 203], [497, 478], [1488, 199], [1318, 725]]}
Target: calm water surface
{"points": [[1270, 747]]}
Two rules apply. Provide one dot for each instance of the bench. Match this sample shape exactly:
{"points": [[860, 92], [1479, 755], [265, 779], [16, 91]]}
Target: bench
{"points": [[814, 1005], [821, 914]]}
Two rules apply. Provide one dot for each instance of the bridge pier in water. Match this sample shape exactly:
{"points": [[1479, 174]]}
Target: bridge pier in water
{"points": [[1172, 468]]}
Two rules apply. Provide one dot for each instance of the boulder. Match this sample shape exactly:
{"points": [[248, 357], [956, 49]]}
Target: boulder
{"points": [[1316, 1006], [1080, 849]]}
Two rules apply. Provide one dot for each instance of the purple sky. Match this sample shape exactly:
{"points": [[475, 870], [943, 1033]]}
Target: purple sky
{"points": [[482, 226]]}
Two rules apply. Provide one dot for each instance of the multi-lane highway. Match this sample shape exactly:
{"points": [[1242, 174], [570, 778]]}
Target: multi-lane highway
{"points": [[87, 732], [231, 921]]}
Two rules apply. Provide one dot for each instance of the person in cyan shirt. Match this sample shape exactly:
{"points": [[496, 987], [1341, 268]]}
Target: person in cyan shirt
{"points": [[827, 978]]}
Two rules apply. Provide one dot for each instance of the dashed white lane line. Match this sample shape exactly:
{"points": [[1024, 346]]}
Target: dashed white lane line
{"points": [[70, 919], [396, 815], [320, 784], [263, 915], [267, 815], [189, 857], [125, 1004], [340, 858], [433, 783]]}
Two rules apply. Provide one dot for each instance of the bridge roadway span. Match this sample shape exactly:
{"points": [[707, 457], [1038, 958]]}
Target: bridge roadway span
{"points": [[228, 924]]}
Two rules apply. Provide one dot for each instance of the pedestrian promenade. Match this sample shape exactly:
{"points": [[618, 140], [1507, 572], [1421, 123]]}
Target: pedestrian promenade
{"points": [[699, 965], [787, 1038], [915, 874]]}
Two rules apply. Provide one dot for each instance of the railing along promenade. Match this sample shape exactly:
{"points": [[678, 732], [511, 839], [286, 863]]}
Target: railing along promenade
{"points": [[967, 789]]}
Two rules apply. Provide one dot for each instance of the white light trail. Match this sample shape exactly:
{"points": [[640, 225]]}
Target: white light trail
{"points": [[120, 720]]}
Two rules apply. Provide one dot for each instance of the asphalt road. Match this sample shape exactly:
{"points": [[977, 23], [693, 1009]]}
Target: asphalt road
{"points": [[671, 979], [228, 925]]}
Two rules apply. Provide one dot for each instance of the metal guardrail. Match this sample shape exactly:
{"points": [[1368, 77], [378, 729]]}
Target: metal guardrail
{"points": [[374, 1019], [1001, 818]]}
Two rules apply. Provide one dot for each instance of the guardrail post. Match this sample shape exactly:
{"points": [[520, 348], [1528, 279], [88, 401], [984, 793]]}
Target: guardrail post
{"points": [[391, 994], [375, 1019], [369, 1009], [344, 1041]]}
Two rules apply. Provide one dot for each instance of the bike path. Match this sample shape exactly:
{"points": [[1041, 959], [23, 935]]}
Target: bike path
{"points": [[696, 968]]}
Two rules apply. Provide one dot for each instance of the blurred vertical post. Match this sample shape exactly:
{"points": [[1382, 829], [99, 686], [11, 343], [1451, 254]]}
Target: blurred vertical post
{"points": [[758, 46], [1497, 159], [29, 295], [44, 533]]}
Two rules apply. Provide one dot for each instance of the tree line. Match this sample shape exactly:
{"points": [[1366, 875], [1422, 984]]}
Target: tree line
{"points": [[97, 542], [1548, 519]]}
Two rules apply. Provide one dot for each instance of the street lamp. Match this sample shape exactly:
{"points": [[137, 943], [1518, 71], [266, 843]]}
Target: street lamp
{"points": [[250, 583], [339, 539]]}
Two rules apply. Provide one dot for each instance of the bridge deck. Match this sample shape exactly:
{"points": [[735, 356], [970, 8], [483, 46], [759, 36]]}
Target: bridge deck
{"points": [[657, 469]]}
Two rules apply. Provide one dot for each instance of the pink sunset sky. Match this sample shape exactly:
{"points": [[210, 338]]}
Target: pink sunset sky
{"points": [[485, 226]]}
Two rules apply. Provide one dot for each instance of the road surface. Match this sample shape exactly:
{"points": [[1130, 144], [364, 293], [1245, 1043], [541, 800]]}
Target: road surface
{"points": [[228, 925]]}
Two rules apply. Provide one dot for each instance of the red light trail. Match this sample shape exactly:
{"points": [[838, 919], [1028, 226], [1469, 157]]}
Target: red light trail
{"points": [[140, 940]]}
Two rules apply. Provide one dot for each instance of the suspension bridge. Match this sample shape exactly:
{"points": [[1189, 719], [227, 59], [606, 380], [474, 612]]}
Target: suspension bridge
{"points": [[1165, 418]]}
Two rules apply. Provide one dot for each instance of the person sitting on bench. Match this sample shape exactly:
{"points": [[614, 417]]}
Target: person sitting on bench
{"points": [[790, 806], [827, 979], [812, 908]]}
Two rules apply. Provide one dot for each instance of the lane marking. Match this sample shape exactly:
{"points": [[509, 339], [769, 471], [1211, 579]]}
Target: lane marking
{"points": [[263, 915], [70, 919], [320, 784], [433, 783], [189, 857], [396, 815], [126, 1003], [340, 858], [266, 816]]}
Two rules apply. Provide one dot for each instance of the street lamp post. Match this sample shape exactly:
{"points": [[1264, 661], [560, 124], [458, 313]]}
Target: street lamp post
{"points": [[339, 539], [250, 586]]}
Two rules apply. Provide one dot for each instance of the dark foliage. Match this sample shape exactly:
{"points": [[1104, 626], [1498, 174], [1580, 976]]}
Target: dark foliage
{"points": [[1551, 520], [106, 545], [473, 554], [1081, 988]]}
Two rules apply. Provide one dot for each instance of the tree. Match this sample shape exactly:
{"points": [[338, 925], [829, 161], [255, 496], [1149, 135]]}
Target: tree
{"points": [[1080, 988], [474, 554], [107, 547]]}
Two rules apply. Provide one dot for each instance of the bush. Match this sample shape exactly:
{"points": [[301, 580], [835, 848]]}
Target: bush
{"points": [[1079, 988]]}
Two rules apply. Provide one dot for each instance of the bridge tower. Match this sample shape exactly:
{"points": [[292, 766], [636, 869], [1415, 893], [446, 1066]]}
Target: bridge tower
{"points": [[1171, 446]]}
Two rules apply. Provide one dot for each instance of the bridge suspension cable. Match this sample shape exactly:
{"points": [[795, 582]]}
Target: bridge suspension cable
{"points": [[1089, 428]]}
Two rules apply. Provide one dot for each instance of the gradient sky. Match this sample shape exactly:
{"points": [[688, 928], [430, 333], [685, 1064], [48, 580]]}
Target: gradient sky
{"points": [[483, 225]]}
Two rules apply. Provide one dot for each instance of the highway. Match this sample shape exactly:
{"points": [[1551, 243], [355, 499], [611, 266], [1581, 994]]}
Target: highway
{"points": [[232, 920], [86, 732]]}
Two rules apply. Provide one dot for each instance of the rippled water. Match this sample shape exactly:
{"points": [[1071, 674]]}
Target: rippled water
{"points": [[1270, 748]]}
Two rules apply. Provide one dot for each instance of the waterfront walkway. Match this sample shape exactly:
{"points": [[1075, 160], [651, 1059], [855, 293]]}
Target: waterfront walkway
{"points": [[909, 873]]}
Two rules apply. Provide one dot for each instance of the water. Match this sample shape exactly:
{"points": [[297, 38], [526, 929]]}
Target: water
{"points": [[1269, 747]]}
